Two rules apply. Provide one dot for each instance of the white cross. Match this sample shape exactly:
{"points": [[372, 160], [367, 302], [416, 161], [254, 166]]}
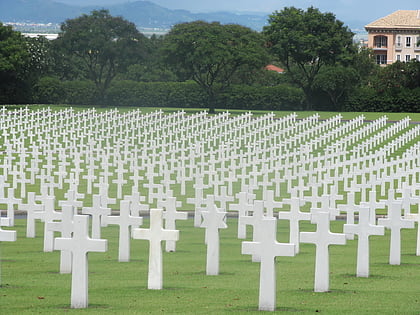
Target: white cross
{"points": [[155, 234], [65, 227], [97, 212], [270, 204], [350, 208], [11, 201], [33, 211], [71, 200], [255, 220], [322, 239], [79, 246], [170, 215], [50, 215], [294, 216], [124, 220], [373, 205], [243, 207], [213, 220], [267, 248], [363, 230], [395, 223]]}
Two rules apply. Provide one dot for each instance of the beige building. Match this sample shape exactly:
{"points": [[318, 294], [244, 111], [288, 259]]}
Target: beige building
{"points": [[395, 37]]}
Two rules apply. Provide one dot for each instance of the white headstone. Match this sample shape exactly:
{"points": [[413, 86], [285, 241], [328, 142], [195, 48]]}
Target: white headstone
{"points": [[395, 223], [79, 246], [170, 215], [124, 220], [97, 212], [155, 234], [213, 220], [363, 230], [267, 248], [322, 239]]}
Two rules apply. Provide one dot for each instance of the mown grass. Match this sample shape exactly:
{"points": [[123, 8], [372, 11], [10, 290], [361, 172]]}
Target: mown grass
{"points": [[31, 283], [301, 114]]}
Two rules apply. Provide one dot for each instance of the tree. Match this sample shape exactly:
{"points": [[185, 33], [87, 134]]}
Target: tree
{"points": [[399, 75], [306, 41], [336, 82], [100, 46], [212, 53], [14, 61]]}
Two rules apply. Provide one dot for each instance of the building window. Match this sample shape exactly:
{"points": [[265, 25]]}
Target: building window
{"points": [[398, 57], [407, 58], [417, 45], [381, 41], [418, 57], [399, 44], [381, 59], [408, 41]]}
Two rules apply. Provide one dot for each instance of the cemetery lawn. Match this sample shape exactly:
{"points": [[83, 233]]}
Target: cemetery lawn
{"points": [[30, 282], [301, 114]]}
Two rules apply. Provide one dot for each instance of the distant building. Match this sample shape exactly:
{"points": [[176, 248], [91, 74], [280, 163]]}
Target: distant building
{"points": [[395, 37]]}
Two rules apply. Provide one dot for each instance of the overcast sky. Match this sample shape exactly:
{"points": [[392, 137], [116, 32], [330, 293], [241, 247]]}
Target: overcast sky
{"points": [[369, 10]]}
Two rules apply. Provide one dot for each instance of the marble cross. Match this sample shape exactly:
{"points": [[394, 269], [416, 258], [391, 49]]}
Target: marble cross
{"points": [[363, 230], [294, 216], [79, 246], [322, 239], [155, 235], [124, 220], [267, 248], [97, 212], [213, 220], [65, 227], [243, 207], [395, 223], [33, 211], [170, 215]]}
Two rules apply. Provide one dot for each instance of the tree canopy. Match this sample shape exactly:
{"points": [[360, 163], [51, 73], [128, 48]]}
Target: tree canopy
{"points": [[306, 41], [212, 53], [14, 62], [100, 46]]}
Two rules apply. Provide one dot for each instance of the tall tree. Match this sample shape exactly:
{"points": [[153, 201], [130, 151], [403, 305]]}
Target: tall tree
{"points": [[306, 41], [101, 46], [212, 53], [14, 61]]}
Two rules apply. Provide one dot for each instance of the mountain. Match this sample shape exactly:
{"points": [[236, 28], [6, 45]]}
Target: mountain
{"points": [[144, 14]]}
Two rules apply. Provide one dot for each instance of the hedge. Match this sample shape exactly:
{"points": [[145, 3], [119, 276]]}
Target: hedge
{"points": [[366, 99]]}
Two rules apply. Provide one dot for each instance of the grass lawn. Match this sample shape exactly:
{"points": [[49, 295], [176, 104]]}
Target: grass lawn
{"points": [[31, 283], [301, 114]]}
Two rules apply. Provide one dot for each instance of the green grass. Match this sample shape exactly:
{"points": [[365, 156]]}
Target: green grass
{"points": [[31, 283], [301, 114]]}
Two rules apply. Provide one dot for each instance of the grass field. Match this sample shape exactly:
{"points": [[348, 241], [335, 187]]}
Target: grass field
{"points": [[301, 114], [31, 283]]}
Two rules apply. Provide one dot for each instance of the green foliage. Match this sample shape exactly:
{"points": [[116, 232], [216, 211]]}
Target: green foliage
{"points": [[305, 41], [337, 82], [80, 93], [100, 46], [369, 100], [155, 94], [211, 53], [281, 97], [190, 95], [14, 62], [48, 90], [392, 78]]}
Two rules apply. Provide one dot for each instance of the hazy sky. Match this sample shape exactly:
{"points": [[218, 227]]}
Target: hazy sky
{"points": [[344, 9]]}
